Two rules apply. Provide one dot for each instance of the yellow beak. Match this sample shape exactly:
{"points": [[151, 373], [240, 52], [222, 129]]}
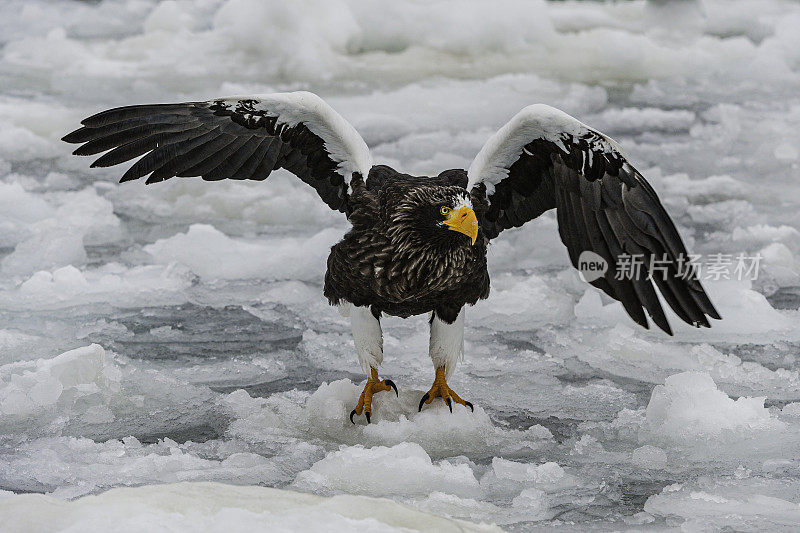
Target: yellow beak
{"points": [[463, 220]]}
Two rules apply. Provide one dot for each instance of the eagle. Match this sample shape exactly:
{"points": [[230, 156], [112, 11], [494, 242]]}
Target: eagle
{"points": [[417, 244]]}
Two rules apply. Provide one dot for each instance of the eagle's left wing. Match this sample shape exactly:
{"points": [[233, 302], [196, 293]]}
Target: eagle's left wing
{"points": [[544, 159], [240, 138]]}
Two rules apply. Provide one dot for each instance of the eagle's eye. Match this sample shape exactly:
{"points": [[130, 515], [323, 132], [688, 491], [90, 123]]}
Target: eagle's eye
{"points": [[444, 210]]}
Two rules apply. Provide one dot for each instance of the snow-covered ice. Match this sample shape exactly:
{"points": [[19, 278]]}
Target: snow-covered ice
{"points": [[214, 507], [174, 338]]}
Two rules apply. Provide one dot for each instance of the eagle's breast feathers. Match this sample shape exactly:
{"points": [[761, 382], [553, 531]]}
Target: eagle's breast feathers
{"points": [[394, 258]]}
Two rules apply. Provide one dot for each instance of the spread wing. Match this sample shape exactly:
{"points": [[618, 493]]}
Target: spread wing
{"points": [[240, 138], [544, 159]]}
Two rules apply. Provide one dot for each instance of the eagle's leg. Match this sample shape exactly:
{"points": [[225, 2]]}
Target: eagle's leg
{"points": [[446, 346], [368, 339]]}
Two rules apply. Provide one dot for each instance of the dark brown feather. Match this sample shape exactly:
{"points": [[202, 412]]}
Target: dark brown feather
{"points": [[604, 205]]}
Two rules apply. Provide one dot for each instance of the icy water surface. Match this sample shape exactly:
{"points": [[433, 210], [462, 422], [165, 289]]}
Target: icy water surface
{"points": [[178, 332]]}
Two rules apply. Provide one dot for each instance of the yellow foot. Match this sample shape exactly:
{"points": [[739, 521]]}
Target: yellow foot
{"points": [[374, 384], [440, 389]]}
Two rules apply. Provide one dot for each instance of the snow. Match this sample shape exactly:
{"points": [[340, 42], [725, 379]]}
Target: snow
{"points": [[213, 506], [177, 333]]}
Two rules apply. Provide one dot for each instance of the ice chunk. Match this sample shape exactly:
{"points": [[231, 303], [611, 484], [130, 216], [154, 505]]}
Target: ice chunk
{"points": [[636, 354], [690, 406], [169, 17], [18, 141], [19, 209], [521, 303], [215, 507], [401, 470], [786, 152], [46, 250], [535, 491], [91, 215], [324, 415], [780, 264], [590, 306], [12, 340], [56, 237], [71, 467], [91, 392], [64, 383], [282, 201], [531, 505], [213, 255], [714, 188], [650, 457], [761, 234], [730, 504], [69, 286], [508, 478], [632, 119], [679, 17], [745, 312], [98, 414], [791, 409], [534, 509]]}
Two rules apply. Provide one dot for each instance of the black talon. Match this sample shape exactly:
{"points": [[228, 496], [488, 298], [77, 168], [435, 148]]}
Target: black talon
{"points": [[449, 404], [366, 413], [392, 385], [352, 413], [422, 401], [469, 404]]}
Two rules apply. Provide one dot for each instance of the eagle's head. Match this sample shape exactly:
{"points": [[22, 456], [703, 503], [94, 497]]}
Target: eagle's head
{"points": [[435, 215], [456, 214]]}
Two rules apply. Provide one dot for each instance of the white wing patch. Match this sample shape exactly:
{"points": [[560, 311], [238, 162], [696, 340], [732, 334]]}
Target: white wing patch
{"points": [[538, 121], [342, 141]]}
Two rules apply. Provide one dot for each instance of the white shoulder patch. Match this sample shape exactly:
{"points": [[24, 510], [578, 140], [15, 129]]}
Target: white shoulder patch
{"points": [[341, 139], [538, 121]]}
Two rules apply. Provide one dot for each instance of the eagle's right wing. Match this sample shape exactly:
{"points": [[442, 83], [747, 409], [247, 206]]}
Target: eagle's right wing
{"points": [[544, 159], [231, 138]]}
